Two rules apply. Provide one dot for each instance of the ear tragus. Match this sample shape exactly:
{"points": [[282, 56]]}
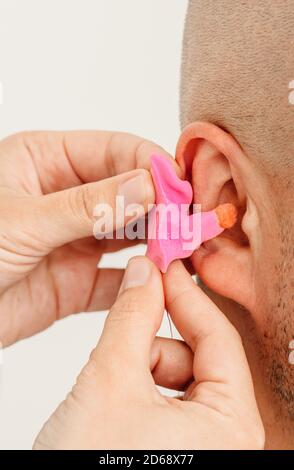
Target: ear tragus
{"points": [[214, 162]]}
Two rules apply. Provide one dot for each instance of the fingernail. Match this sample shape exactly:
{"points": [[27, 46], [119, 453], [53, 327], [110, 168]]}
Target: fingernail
{"points": [[136, 190], [137, 273]]}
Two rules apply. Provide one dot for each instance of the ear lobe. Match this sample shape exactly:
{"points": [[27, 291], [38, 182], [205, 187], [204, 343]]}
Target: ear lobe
{"points": [[213, 162], [226, 268]]}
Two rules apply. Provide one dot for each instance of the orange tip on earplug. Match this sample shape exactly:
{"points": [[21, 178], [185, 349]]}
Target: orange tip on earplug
{"points": [[178, 235], [226, 215]]}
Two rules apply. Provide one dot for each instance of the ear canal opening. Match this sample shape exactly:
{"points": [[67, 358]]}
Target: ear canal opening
{"points": [[191, 149]]}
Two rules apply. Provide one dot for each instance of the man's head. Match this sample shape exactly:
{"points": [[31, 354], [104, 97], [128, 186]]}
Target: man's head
{"points": [[238, 62]]}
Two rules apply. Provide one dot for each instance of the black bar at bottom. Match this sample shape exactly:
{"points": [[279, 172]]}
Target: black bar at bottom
{"points": [[135, 459]]}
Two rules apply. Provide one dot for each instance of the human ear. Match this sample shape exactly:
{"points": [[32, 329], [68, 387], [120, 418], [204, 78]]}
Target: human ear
{"points": [[220, 172]]}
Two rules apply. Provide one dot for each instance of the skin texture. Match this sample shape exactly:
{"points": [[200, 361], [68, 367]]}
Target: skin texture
{"points": [[50, 183], [217, 412], [237, 64]]}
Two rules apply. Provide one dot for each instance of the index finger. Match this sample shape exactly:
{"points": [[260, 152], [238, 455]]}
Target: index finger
{"points": [[116, 152], [65, 159]]}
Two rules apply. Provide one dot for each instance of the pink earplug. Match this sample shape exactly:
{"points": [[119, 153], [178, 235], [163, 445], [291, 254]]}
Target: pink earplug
{"points": [[173, 232]]}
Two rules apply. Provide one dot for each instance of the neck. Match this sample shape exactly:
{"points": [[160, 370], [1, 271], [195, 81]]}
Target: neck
{"points": [[278, 427]]}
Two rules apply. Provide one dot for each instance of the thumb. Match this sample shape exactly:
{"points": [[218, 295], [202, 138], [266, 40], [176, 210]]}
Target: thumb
{"points": [[219, 354], [133, 321], [69, 215]]}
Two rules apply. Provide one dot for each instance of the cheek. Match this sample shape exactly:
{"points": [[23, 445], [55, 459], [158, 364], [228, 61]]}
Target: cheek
{"points": [[274, 280]]}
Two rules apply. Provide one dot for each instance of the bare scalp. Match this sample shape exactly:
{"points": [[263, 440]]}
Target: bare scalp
{"points": [[237, 69]]}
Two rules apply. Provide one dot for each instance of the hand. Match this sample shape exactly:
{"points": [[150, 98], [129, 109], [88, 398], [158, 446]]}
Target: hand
{"points": [[50, 183], [115, 403]]}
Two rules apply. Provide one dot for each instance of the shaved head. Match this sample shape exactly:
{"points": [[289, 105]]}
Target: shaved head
{"points": [[238, 62], [238, 73]]}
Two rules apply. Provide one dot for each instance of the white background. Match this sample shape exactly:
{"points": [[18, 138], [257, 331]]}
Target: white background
{"points": [[78, 64]]}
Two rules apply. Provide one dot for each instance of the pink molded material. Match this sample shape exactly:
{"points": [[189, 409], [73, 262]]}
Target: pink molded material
{"points": [[179, 235]]}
